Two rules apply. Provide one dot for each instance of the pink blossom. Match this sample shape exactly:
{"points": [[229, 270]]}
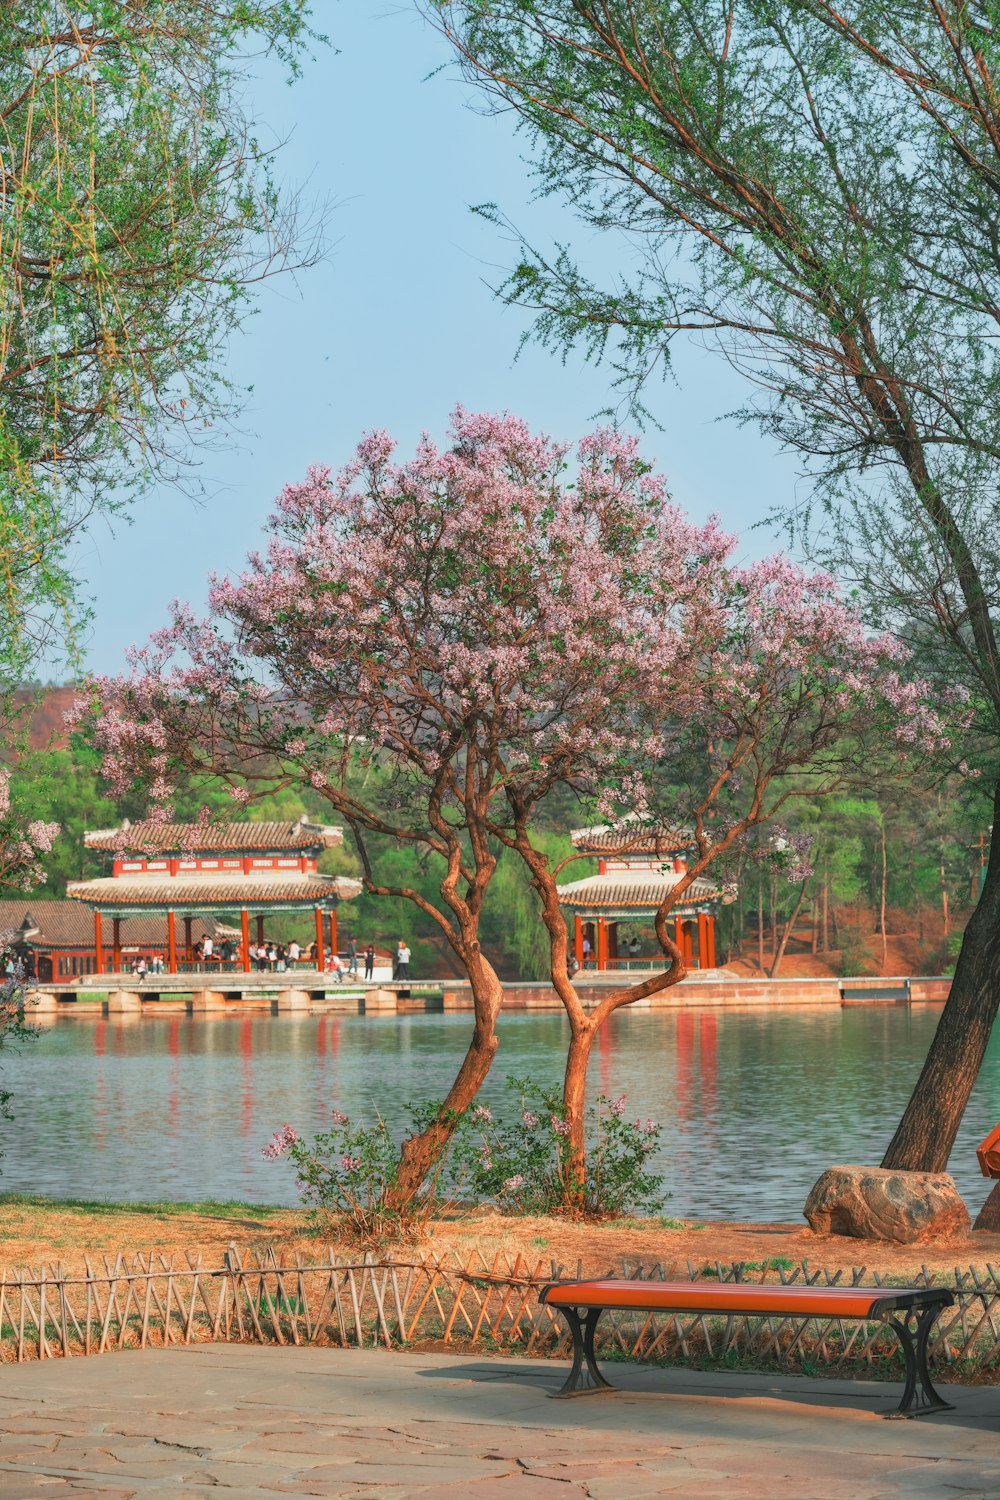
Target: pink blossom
{"points": [[280, 1143]]}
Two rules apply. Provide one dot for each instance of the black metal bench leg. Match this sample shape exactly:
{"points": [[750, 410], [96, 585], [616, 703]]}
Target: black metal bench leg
{"points": [[919, 1396], [584, 1379]]}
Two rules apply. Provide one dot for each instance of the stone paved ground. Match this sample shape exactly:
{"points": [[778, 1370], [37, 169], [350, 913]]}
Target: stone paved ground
{"points": [[371, 1425]]}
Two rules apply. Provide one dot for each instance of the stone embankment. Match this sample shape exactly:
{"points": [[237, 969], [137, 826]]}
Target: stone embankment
{"points": [[200, 994]]}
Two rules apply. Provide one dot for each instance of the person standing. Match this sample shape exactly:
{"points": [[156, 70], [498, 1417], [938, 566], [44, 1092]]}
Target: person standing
{"points": [[370, 961], [293, 953], [402, 961], [207, 949], [352, 957]]}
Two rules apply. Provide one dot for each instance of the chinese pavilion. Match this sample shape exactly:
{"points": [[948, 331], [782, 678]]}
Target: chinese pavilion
{"points": [[193, 869], [637, 868]]}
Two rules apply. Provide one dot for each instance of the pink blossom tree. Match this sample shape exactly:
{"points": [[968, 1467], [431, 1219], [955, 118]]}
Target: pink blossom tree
{"points": [[789, 697], [23, 842], [483, 624]]}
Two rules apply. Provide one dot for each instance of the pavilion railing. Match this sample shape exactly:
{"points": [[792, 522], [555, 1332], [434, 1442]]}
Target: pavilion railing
{"points": [[149, 1300]]}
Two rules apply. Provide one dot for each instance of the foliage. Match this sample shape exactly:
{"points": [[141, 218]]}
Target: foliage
{"points": [[855, 959], [349, 1176], [139, 210], [524, 1164]]}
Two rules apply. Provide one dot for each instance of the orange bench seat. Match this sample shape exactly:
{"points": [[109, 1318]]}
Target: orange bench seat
{"points": [[910, 1311]]}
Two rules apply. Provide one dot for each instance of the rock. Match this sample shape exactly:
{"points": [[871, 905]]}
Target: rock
{"points": [[988, 1216], [870, 1203]]}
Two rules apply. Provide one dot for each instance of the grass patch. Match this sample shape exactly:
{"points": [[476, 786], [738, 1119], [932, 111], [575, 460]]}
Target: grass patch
{"points": [[656, 1222], [210, 1209]]}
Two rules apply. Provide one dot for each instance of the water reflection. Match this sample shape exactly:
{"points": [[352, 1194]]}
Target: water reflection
{"points": [[755, 1103]]}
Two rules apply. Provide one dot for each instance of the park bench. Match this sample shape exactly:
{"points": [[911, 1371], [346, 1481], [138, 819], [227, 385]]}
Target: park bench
{"points": [[910, 1311]]}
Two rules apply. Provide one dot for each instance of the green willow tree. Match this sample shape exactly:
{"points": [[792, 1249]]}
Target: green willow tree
{"points": [[814, 193], [137, 212]]}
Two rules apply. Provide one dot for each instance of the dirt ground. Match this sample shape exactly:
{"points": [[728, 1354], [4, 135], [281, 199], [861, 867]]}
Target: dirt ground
{"points": [[34, 1232]]}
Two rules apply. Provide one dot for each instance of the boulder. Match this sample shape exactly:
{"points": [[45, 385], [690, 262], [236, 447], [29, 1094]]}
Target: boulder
{"points": [[870, 1203], [988, 1216]]}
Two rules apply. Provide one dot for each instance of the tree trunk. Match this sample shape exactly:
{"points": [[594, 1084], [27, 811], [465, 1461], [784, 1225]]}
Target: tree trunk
{"points": [[760, 920], [575, 1108], [826, 916], [774, 916], [944, 904], [421, 1153], [779, 955], [882, 909], [927, 1131], [814, 946]]}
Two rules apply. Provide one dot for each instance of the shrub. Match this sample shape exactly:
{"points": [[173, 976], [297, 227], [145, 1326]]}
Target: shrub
{"points": [[347, 1175], [522, 1164]]}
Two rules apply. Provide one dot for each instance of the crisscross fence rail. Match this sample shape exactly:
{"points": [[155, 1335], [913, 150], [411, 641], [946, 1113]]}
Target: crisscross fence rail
{"points": [[142, 1301]]}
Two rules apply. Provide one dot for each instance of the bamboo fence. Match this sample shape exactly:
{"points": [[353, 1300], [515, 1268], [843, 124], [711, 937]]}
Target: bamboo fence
{"points": [[143, 1301]]}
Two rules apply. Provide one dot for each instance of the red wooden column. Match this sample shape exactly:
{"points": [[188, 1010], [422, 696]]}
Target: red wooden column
{"points": [[188, 956], [578, 939], [320, 955], [171, 942], [602, 943], [116, 945], [245, 941], [703, 962], [98, 950], [333, 932], [710, 935]]}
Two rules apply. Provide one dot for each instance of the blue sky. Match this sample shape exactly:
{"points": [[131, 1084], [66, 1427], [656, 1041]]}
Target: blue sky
{"points": [[399, 323]]}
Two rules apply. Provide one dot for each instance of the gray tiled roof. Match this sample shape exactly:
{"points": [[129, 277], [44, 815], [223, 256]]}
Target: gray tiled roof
{"points": [[219, 890], [179, 838]]}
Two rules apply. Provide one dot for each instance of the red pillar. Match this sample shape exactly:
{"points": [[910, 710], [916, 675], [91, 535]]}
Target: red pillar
{"points": [[245, 941], [320, 956], [602, 943], [710, 940], [703, 940], [116, 945], [333, 932], [98, 950], [188, 955], [171, 943], [578, 939], [689, 944]]}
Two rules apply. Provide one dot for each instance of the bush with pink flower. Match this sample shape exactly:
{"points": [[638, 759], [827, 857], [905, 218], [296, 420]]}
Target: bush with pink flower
{"points": [[347, 1176], [521, 1159]]}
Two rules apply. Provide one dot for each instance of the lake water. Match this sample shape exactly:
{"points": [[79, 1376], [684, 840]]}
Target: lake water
{"points": [[755, 1103]]}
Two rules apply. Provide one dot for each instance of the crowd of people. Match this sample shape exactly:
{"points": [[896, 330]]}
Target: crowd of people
{"points": [[279, 958], [265, 957]]}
